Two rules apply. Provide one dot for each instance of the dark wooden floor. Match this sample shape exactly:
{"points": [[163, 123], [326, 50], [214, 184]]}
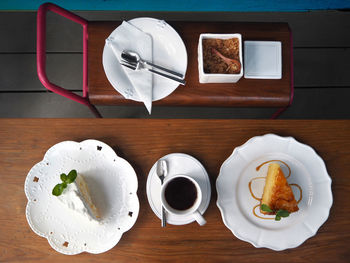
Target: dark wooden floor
{"points": [[321, 66]]}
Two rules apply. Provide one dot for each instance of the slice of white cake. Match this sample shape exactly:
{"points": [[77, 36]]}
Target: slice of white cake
{"points": [[77, 197]]}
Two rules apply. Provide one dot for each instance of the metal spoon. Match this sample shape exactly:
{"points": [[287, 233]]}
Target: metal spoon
{"points": [[162, 171], [134, 57], [139, 66]]}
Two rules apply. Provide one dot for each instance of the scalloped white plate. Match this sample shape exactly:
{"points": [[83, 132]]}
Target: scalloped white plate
{"points": [[236, 203], [113, 186]]}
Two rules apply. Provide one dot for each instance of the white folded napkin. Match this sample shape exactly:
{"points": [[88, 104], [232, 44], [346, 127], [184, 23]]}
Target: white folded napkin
{"points": [[129, 37]]}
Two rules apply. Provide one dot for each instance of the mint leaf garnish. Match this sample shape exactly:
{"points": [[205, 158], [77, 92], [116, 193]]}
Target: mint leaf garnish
{"points": [[265, 208], [282, 213], [71, 176], [66, 179], [57, 190], [279, 214], [63, 177]]}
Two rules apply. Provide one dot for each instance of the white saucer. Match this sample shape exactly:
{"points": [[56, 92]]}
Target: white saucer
{"points": [[178, 163]]}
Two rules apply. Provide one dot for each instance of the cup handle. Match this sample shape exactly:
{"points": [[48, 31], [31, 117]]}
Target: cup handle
{"points": [[199, 218]]}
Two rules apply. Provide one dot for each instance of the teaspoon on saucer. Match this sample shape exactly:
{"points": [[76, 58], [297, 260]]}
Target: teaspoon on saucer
{"points": [[162, 171]]}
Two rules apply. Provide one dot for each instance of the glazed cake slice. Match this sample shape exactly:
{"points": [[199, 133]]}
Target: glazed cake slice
{"points": [[77, 197], [277, 192]]}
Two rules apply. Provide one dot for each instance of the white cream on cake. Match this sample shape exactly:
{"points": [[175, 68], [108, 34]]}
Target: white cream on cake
{"points": [[77, 198]]}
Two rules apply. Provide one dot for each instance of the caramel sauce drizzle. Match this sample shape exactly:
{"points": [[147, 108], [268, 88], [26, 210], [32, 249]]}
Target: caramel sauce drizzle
{"points": [[250, 188], [300, 191], [267, 218], [290, 172], [259, 199]]}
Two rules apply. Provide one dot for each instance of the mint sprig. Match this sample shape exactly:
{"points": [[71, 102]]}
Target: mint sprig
{"points": [[63, 177], [66, 179], [265, 208], [279, 214], [71, 176]]}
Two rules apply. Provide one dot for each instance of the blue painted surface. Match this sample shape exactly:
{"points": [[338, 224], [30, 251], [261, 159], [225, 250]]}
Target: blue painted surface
{"points": [[182, 5]]}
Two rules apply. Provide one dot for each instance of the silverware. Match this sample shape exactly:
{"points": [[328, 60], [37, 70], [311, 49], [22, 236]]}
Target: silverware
{"points": [[134, 57], [138, 66], [162, 171]]}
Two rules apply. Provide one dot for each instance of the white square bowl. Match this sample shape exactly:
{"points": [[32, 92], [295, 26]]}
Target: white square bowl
{"points": [[218, 78]]}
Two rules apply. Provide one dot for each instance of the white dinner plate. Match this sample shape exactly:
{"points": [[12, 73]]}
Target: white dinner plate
{"points": [[113, 186], [236, 203], [169, 51], [178, 163]]}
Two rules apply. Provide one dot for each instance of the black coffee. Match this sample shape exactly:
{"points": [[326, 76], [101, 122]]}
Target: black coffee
{"points": [[180, 193]]}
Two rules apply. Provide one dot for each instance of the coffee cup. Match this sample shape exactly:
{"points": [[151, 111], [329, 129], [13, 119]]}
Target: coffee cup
{"points": [[181, 195]]}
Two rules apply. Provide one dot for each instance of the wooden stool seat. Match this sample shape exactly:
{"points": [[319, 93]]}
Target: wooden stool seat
{"points": [[244, 93]]}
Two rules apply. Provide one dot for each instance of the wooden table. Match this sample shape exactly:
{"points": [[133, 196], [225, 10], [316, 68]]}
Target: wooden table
{"points": [[244, 93], [142, 142]]}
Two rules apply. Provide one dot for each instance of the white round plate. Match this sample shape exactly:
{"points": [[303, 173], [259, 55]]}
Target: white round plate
{"points": [[169, 51], [113, 186], [236, 203], [178, 163]]}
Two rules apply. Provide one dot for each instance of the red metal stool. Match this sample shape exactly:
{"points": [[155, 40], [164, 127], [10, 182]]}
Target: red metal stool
{"points": [[41, 55], [41, 60]]}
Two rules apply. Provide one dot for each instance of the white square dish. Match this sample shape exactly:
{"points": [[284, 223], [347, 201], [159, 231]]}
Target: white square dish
{"points": [[262, 59], [213, 77]]}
